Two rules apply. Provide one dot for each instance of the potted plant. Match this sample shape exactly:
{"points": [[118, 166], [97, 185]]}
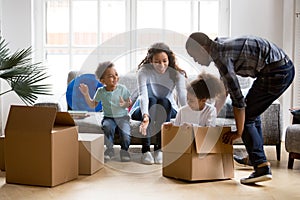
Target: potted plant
{"points": [[21, 74]]}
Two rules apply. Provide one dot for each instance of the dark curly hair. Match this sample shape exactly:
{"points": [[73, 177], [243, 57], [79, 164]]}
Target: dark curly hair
{"points": [[206, 86], [158, 48]]}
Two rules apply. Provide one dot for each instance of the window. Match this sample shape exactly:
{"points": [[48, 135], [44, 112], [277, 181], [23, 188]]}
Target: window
{"points": [[77, 34]]}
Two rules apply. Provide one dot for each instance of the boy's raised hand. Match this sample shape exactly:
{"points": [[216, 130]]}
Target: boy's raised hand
{"points": [[84, 89], [125, 104], [122, 102]]}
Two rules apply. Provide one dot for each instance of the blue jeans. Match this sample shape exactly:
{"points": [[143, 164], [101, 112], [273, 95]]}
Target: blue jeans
{"points": [[267, 87], [160, 111], [119, 125]]}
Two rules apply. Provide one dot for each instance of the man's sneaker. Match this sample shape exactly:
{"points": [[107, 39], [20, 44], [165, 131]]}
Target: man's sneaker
{"points": [[158, 157], [109, 154], [260, 174], [147, 158], [242, 160], [125, 156]]}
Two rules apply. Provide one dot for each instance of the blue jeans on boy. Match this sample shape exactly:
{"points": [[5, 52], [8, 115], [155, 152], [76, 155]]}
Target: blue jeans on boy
{"points": [[269, 85], [119, 125], [157, 118]]}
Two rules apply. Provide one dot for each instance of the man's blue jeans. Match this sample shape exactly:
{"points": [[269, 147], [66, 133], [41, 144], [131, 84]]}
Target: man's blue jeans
{"points": [[119, 125], [267, 87]]}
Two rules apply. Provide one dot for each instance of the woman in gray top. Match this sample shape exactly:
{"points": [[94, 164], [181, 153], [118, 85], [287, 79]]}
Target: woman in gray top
{"points": [[158, 76]]}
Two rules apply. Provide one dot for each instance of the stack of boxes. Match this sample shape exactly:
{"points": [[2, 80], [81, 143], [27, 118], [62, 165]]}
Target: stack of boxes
{"points": [[42, 147]]}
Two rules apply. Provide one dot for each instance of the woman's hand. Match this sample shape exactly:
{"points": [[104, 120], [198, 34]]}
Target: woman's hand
{"points": [[230, 136], [144, 125]]}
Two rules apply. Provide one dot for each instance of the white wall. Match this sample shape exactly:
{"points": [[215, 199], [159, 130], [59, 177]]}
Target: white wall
{"points": [[256, 17], [16, 30], [270, 19]]}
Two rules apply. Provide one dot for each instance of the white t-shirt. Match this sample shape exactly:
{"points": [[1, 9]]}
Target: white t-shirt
{"points": [[205, 117]]}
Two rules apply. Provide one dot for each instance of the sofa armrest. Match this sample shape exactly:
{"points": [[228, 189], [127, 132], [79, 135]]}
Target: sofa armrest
{"points": [[90, 124]]}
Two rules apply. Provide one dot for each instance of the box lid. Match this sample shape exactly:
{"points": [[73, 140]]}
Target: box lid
{"points": [[182, 139], [177, 139], [209, 140], [30, 118], [64, 119], [36, 119]]}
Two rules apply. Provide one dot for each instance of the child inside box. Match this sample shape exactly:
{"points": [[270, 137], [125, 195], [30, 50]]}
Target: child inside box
{"points": [[198, 111]]}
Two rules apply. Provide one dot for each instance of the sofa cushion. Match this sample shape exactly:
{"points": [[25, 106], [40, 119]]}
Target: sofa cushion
{"points": [[227, 109]]}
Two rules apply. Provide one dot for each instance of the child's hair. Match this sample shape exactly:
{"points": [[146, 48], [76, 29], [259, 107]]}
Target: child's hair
{"points": [[206, 86], [158, 48], [102, 67]]}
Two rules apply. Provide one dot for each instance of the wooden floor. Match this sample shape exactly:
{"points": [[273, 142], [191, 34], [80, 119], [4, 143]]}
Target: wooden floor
{"points": [[137, 181]]}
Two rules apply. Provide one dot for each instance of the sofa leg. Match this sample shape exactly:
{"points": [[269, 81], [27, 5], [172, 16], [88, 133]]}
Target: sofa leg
{"points": [[278, 151], [292, 156], [291, 161]]}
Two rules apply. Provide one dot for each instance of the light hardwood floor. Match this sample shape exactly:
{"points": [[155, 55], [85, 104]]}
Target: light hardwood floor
{"points": [[137, 181]]}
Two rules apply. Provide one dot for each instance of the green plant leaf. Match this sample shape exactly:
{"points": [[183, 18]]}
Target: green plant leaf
{"points": [[23, 76]]}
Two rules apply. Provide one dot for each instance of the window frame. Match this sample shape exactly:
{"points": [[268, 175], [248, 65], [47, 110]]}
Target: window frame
{"points": [[39, 29]]}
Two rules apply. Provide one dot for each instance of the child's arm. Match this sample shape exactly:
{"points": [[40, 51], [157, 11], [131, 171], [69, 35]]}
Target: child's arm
{"points": [[220, 101], [84, 89], [212, 118]]}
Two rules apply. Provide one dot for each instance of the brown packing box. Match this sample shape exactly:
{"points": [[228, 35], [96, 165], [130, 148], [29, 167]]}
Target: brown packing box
{"points": [[91, 153], [41, 146], [196, 153], [2, 163]]}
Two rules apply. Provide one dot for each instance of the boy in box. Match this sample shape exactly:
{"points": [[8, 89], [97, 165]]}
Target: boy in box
{"points": [[197, 111]]}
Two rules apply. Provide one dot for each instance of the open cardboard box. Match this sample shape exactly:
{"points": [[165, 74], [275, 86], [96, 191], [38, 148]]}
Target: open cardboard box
{"points": [[41, 146], [2, 163], [196, 153]]}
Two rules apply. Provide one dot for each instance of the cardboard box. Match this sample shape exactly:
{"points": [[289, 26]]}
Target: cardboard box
{"points": [[91, 153], [2, 163], [196, 153], [41, 146]]}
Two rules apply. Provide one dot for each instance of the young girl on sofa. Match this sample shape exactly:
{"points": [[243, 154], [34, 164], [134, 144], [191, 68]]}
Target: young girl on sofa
{"points": [[158, 76]]}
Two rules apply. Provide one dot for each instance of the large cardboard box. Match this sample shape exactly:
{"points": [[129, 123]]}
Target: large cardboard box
{"points": [[196, 153], [91, 153], [2, 163], [41, 146]]}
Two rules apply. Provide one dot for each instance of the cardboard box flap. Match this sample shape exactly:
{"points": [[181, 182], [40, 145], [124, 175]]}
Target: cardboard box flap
{"points": [[177, 139], [64, 119], [209, 140], [30, 119]]}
